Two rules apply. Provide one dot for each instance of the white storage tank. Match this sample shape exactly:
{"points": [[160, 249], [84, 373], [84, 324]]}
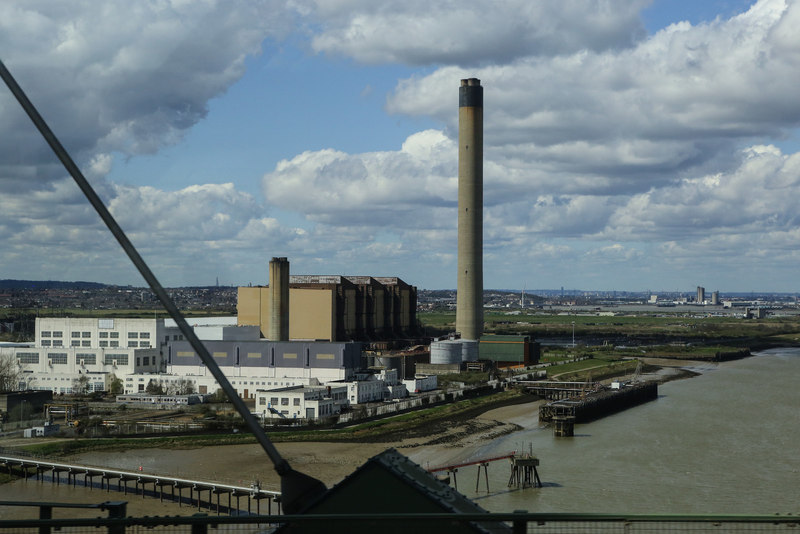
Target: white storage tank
{"points": [[446, 352], [469, 350]]}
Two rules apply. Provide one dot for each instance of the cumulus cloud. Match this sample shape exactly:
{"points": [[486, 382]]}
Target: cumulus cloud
{"points": [[122, 77], [378, 188], [116, 78], [632, 118], [609, 154], [419, 32], [754, 198], [599, 153]]}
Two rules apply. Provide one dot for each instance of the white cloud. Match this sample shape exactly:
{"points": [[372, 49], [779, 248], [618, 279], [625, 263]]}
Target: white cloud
{"points": [[374, 189], [121, 76], [118, 78], [610, 156], [420, 32], [616, 120], [755, 198]]}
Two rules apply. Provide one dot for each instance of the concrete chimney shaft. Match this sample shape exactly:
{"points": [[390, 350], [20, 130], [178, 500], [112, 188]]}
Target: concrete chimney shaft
{"points": [[279, 300], [469, 300]]}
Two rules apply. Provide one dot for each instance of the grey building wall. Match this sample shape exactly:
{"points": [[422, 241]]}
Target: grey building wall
{"points": [[313, 355]]}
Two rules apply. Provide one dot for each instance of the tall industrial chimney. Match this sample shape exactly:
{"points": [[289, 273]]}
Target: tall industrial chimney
{"points": [[469, 301], [279, 299]]}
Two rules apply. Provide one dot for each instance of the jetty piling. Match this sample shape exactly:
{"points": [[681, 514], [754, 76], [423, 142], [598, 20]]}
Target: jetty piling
{"points": [[485, 466], [524, 472]]}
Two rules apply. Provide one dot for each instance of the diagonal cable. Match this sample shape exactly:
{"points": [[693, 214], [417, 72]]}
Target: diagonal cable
{"points": [[297, 489]]}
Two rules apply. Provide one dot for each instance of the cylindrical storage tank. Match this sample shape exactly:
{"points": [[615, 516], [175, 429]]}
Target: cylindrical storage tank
{"points": [[469, 350], [446, 352]]}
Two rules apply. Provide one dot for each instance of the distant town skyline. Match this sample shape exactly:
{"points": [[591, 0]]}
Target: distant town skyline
{"points": [[100, 289], [632, 146]]}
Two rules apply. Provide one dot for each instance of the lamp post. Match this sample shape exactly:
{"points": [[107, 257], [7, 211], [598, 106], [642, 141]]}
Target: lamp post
{"points": [[573, 334]]}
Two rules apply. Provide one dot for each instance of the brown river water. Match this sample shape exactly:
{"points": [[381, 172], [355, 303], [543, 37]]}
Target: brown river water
{"points": [[723, 442]]}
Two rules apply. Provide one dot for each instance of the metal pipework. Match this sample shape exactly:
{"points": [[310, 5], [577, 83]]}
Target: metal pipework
{"points": [[469, 300]]}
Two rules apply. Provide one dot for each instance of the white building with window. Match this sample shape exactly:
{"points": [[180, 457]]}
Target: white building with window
{"points": [[82, 353], [375, 387], [73, 353], [422, 383], [300, 402]]}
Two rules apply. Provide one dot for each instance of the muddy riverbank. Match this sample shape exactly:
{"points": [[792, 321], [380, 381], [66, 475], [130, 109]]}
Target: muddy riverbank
{"points": [[461, 439]]}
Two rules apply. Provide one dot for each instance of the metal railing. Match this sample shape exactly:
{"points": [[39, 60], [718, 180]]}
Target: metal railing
{"points": [[385, 523]]}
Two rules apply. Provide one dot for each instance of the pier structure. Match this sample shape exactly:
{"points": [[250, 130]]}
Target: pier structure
{"points": [[29, 467], [554, 390], [482, 463], [584, 408], [563, 422], [524, 472]]}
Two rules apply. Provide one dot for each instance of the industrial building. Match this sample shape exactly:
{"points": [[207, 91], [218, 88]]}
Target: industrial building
{"points": [[259, 364], [509, 351], [152, 352], [335, 308], [68, 351], [298, 331], [701, 295]]}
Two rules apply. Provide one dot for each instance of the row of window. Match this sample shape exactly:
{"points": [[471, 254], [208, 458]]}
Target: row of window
{"points": [[95, 386], [104, 343], [257, 383], [275, 401], [102, 335], [138, 335], [60, 358], [54, 333]]}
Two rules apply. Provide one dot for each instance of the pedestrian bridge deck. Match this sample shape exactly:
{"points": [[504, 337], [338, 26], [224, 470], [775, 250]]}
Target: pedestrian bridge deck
{"points": [[44, 469]]}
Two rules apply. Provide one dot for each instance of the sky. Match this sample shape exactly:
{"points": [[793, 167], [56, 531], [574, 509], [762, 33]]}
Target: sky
{"points": [[628, 145]]}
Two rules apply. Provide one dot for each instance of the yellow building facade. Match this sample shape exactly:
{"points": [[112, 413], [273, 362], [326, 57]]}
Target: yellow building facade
{"points": [[336, 308]]}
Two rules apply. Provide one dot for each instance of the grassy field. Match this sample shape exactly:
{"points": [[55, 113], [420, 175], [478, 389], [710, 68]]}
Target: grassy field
{"points": [[661, 324]]}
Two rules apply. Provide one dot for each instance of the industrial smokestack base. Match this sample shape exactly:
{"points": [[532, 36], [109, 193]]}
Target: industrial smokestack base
{"points": [[279, 300], [469, 300]]}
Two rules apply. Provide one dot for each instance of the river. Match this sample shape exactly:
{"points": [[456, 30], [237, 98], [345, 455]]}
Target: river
{"points": [[723, 442]]}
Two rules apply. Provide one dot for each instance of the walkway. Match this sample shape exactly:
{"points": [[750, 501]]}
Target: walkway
{"points": [[40, 468]]}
